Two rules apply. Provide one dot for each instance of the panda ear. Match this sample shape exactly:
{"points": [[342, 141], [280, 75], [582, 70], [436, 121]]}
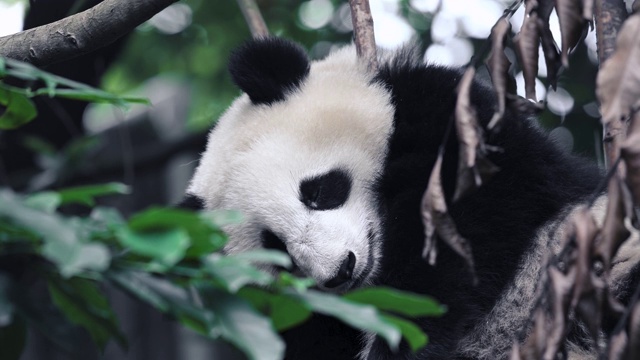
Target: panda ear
{"points": [[267, 68]]}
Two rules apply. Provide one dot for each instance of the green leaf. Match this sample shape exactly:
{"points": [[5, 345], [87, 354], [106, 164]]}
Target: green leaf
{"points": [[110, 217], [47, 201], [166, 297], [264, 256], [15, 109], [136, 285], [86, 194], [224, 217], [73, 90], [83, 304], [364, 317], [241, 325], [286, 280], [62, 245], [400, 302], [285, 311], [233, 273], [205, 237], [91, 256], [168, 246], [13, 339], [416, 338]]}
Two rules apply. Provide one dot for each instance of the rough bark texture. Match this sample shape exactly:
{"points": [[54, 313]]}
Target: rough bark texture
{"points": [[253, 17], [363, 32], [81, 33], [609, 15]]}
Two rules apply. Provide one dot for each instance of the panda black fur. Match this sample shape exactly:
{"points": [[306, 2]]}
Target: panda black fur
{"points": [[329, 162]]}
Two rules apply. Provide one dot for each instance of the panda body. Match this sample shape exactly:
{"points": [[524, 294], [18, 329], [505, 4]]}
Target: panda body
{"points": [[329, 161]]}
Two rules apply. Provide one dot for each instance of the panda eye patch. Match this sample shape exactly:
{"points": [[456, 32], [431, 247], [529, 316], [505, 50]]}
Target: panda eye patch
{"points": [[326, 192]]}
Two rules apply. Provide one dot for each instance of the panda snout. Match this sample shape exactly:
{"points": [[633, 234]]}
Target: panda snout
{"points": [[345, 273]]}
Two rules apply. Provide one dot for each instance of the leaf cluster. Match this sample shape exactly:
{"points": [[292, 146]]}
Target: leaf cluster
{"points": [[170, 259]]}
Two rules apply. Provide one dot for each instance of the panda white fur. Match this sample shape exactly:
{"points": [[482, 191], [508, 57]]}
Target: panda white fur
{"points": [[329, 162]]}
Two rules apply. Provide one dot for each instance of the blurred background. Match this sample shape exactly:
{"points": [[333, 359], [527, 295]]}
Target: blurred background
{"points": [[178, 60]]}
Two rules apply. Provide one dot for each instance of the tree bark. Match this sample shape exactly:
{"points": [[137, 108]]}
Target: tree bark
{"points": [[363, 32], [80, 33], [254, 19], [609, 15]]}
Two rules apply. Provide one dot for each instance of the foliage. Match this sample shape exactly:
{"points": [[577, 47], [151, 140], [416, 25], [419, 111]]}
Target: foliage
{"points": [[18, 109], [170, 259]]}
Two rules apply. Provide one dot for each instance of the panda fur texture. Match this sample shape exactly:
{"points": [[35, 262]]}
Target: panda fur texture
{"points": [[329, 161]]}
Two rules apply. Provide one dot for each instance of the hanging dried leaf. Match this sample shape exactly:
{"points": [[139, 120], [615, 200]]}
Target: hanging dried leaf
{"points": [[561, 288], [545, 7], [614, 230], [551, 52], [436, 220], [572, 26], [534, 346], [630, 153], [633, 350], [618, 345], [589, 290], [498, 65], [618, 81], [473, 167], [515, 352], [527, 42], [587, 10]]}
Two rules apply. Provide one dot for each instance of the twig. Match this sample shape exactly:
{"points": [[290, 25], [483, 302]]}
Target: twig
{"points": [[80, 33], [609, 15], [363, 32], [254, 19]]}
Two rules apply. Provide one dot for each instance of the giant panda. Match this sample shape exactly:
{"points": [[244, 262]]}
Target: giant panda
{"points": [[329, 161]]}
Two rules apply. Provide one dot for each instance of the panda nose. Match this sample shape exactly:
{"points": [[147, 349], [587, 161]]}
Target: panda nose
{"points": [[344, 273]]}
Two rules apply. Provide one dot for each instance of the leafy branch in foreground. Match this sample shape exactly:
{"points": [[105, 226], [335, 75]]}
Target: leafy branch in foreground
{"points": [[170, 259], [17, 109]]}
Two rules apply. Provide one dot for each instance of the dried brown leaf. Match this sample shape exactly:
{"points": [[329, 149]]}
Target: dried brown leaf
{"points": [[561, 289], [572, 25], [633, 350], [534, 346], [587, 10], [618, 81], [618, 346], [527, 43], [545, 7], [436, 220], [589, 288], [473, 167], [630, 152], [614, 229], [498, 65], [515, 352], [551, 52]]}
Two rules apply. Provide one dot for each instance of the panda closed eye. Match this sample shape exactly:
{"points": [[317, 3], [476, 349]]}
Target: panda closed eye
{"points": [[326, 192]]}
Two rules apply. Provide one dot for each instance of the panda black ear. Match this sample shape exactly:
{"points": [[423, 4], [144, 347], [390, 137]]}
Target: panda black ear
{"points": [[267, 68]]}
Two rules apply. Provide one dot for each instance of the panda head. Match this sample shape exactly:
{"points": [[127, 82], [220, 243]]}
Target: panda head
{"points": [[299, 154]]}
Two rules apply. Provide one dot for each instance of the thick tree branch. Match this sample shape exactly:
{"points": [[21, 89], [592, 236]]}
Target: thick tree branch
{"points": [[254, 19], [609, 15], [80, 33], [363, 32]]}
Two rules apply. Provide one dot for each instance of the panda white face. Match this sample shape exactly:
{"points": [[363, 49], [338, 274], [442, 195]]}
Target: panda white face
{"points": [[302, 168]]}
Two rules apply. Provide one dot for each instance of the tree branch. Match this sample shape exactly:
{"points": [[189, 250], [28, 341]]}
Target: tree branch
{"points": [[254, 19], [363, 32], [80, 33]]}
